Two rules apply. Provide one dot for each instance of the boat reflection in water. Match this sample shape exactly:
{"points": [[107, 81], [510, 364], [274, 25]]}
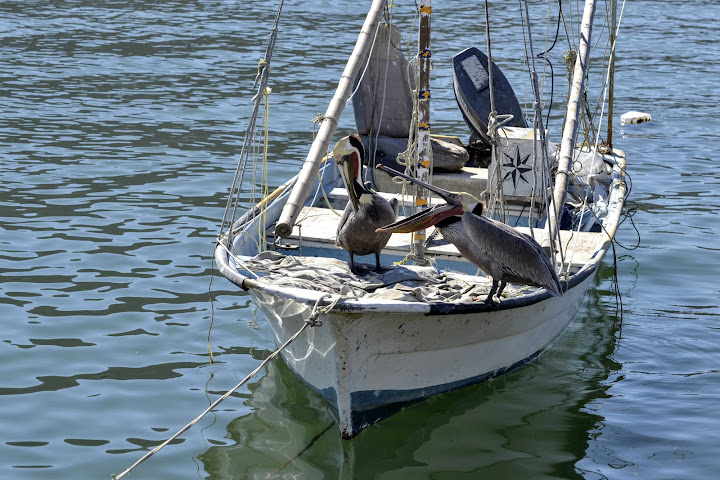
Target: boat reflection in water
{"points": [[523, 425]]}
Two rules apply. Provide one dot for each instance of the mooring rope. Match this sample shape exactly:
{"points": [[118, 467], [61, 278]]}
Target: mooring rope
{"points": [[311, 321]]}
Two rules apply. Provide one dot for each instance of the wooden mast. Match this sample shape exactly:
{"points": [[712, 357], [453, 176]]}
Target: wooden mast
{"points": [[424, 163], [321, 144], [574, 108]]}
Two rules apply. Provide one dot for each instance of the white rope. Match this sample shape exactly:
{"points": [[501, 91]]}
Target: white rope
{"points": [[321, 179], [310, 322], [367, 63]]}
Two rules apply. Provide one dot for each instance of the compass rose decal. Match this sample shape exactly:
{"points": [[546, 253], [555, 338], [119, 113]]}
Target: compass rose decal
{"points": [[517, 166]]}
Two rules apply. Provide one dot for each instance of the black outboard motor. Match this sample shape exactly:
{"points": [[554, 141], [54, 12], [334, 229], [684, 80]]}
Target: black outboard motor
{"points": [[471, 84]]}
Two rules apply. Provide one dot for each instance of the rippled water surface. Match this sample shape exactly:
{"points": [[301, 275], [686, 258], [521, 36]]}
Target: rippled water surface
{"points": [[120, 127]]}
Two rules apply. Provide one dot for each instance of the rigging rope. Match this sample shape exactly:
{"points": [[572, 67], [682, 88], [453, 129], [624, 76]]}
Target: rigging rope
{"points": [[367, 63], [373, 145], [318, 119], [539, 134], [543, 55], [229, 216], [261, 240], [260, 84], [494, 177]]}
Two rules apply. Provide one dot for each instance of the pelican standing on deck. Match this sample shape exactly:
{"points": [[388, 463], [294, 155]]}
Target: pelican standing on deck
{"points": [[500, 251], [366, 211]]}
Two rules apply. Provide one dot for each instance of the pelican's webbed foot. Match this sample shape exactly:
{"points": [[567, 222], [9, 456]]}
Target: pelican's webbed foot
{"points": [[359, 271], [493, 304], [489, 299]]}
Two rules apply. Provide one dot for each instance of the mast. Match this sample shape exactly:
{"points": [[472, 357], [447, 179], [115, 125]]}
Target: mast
{"points": [[423, 134], [574, 107], [310, 167]]}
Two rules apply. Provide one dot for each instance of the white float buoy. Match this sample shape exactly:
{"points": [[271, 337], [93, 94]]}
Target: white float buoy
{"points": [[635, 118]]}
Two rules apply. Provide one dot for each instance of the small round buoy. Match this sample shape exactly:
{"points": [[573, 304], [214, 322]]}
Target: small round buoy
{"points": [[634, 118]]}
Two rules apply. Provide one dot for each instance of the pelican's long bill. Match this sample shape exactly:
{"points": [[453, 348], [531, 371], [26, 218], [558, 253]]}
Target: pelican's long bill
{"points": [[346, 168], [349, 161], [429, 216], [424, 219], [450, 197]]}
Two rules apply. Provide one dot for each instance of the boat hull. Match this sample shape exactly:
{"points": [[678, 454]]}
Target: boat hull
{"points": [[369, 365], [371, 357]]}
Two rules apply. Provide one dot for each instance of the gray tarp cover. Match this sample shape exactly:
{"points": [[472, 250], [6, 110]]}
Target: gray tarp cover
{"points": [[407, 282]]}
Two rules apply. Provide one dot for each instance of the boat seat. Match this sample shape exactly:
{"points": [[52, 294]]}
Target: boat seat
{"points": [[448, 155], [383, 107]]}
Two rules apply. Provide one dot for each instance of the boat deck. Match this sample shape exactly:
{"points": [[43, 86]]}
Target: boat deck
{"points": [[317, 227]]}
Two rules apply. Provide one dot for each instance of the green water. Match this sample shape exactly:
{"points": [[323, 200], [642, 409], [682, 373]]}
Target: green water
{"points": [[119, 131]]}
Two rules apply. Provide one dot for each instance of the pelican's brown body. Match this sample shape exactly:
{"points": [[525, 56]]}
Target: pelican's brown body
{"points": [[366, 211], [503, 253], [500, 251]]}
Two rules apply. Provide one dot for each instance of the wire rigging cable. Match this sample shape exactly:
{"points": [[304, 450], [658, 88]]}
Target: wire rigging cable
{"points": [[260, 86]]}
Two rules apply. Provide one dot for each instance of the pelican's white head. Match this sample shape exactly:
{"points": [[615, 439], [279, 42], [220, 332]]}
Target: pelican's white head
{"points": [[349, 153]]}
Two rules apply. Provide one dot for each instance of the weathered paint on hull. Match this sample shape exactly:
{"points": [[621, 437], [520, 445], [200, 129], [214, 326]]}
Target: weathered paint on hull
{"points": [[367, 366]]}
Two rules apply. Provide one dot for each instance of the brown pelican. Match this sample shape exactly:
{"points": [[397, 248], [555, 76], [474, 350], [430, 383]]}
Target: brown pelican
{"points": [[500, 251], [365, 211]]}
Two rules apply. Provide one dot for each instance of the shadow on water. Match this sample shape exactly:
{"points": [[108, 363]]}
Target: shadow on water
{"points": [[533, 423]]}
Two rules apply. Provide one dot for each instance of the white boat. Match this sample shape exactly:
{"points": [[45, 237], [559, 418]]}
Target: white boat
{"points": [[383, 340]]}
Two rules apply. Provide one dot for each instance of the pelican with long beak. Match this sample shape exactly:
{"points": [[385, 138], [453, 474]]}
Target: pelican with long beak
{"points": [[366, 211], [498, 250]]}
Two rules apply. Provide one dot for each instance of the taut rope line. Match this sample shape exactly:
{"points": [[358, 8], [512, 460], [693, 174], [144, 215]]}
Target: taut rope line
{"points": [[310, 322]]}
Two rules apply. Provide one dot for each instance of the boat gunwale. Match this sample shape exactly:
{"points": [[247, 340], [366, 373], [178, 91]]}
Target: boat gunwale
{"points": [[616, 202]]}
